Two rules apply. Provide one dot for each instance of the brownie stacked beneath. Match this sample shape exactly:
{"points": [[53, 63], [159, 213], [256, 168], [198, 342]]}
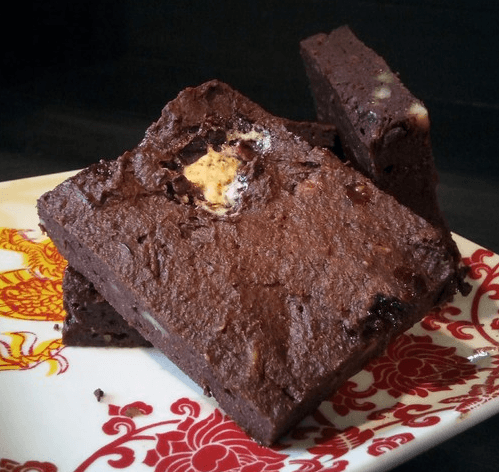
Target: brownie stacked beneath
{"points": [[266, 269], [90, 320]]}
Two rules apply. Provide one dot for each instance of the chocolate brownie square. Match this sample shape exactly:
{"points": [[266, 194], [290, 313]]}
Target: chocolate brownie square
{"points": [[265, 268]]}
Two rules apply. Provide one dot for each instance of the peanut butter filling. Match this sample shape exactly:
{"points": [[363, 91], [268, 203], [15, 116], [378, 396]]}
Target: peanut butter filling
{"points": [[216, 172]]}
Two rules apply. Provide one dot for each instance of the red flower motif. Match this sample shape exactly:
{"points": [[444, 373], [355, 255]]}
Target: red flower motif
{"points": [[122, 417], [337, 443], [381, 445], [213, 444], [121, 422], [7, 465], [414, 365], [338, 466], [489, 287], [494, 371]]}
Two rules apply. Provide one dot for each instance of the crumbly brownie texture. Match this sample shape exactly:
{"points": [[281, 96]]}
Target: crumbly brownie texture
{"points": [[90, 320], [268, 270], [384, 129]]}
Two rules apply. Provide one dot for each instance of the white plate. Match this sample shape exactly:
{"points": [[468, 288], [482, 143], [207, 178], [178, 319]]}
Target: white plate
{"points": [[435, 380]]}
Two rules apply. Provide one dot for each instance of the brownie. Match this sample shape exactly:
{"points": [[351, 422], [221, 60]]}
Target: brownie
{"points": [[383, 128], [265, 268], [90, 320]]}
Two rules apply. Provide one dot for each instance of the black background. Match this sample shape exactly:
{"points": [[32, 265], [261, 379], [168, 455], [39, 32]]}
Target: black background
{"points": [[82, 80]]}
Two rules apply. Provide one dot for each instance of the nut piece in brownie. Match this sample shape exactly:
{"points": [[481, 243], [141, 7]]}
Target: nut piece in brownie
{"points": [[266, 269], [383, 128], [90, 320]]}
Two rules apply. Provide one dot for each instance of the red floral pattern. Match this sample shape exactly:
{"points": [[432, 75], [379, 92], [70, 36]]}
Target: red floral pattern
{"points": [[413, 416], [416, 366], [315, 465], [488, 287], [212, 444], [191, 444], [7, 465], [337, 443]]}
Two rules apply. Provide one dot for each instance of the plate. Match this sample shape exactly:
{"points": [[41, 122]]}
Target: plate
{"points": [[434, 381]]}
